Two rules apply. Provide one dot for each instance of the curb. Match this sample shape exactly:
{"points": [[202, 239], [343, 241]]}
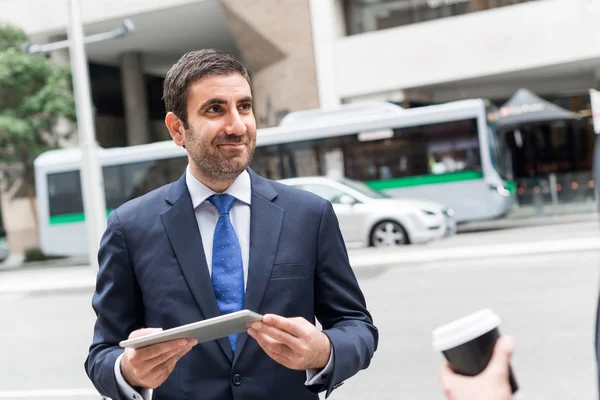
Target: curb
{"points": [[513, 223], [81, 278], [52, 263], [469, 227], [389, 259]]}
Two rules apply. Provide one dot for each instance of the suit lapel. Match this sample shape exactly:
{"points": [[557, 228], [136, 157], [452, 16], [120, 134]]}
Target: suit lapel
{"points": [[266, 220], [182, 229]]}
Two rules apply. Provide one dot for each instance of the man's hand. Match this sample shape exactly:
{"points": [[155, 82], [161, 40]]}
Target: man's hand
{"points": [[491, 384], [150, 366], [293, 342]]}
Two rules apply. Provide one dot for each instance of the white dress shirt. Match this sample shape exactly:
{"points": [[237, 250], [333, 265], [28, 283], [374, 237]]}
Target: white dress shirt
{"points": [[207, 216]]}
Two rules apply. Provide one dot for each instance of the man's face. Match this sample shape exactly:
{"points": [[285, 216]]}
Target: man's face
{"points": [[221, 134]]}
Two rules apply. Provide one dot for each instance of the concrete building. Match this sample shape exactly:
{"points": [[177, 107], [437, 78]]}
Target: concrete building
{"points": [[305, 54]]}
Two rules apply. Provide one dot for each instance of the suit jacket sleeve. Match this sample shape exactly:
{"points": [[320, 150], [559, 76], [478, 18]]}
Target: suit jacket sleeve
{"points": [[118, 305], [340, 305]]}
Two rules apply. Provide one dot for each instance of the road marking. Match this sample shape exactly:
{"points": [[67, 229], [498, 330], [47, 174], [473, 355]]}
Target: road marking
{"points": [[58, 393]]}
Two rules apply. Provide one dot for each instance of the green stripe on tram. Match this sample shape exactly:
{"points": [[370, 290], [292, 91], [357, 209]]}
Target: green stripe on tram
{"points": [[425, 180], [511, 186], [70, 218]]}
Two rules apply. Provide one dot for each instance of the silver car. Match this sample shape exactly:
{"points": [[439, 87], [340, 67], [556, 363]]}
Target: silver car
{"points": [[371, 218]]}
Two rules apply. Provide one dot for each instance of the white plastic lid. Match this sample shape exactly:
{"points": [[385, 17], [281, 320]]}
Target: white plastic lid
{"points": [[464, 329]]}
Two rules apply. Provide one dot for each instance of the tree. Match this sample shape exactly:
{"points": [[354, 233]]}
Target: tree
{"points": [[35, 94]]}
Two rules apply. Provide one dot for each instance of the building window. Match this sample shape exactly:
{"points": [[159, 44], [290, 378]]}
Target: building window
{"points": [[371, 15]]}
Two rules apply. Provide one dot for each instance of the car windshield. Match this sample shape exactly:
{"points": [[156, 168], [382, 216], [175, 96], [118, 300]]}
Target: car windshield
{"points": [[497, 151], [363, 189], [496, 144]]}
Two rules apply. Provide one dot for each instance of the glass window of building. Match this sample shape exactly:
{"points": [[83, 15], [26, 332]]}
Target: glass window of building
{"points": [[371, 15]]}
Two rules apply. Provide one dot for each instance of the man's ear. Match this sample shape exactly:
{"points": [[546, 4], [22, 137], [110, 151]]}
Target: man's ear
{"points": [[176, 129]]}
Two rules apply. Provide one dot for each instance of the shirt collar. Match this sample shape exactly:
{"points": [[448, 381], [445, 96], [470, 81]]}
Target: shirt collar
{"points": [[240, 188]]}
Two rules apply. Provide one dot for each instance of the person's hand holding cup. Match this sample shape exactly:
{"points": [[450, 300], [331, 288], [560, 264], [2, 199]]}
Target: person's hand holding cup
{"points": [[478, 359], [492, 384]]}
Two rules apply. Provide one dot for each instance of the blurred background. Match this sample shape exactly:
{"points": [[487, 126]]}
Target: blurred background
{"points": [[457, 134]]}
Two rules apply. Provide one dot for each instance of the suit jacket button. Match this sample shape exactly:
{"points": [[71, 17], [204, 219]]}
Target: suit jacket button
{"points": [[237, 379]]}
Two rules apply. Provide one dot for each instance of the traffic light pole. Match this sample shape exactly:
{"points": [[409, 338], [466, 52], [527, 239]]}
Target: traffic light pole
{"points": [[91, 174]]}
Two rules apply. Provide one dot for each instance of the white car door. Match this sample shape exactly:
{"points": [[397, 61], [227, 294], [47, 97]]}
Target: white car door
{"points": [[350, 214]]}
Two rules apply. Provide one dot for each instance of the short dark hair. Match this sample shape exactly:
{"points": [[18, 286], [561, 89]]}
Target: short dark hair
{"points": [[191, 67]]}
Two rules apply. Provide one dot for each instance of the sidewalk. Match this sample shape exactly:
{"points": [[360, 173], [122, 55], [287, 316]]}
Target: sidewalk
{"points": [[519, 222], [49, 279], [82, 277], [15, 261]]}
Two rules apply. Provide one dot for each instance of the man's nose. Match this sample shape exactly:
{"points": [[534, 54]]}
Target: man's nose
{"points": [[235, 124]]}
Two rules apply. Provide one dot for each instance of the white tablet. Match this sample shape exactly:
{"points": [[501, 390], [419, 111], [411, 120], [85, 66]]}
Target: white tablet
{"points": [[206, 330]]}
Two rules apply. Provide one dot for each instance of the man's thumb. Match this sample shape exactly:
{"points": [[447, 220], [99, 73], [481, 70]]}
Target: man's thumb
{"points": [[144, 332], [503, 350]]}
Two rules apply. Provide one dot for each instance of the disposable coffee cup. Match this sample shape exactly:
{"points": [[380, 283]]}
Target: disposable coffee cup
{"points": [[468, 343]]}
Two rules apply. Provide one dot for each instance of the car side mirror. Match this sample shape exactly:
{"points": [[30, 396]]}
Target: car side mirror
{"points": [[347, 199]]}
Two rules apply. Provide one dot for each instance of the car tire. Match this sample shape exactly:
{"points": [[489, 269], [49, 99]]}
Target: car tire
{"points": [[388, 233]]}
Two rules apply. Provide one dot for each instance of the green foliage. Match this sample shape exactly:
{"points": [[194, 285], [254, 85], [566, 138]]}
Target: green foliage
{"points": [[34, 94], [11, 37], [35, 254]]}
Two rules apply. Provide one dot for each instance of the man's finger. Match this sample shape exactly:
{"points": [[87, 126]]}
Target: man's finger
{"points": [[264, 339], [168, 365], [164, 357], [270, 345], [280, 359], [289, 325], [143, 332], [446, 373], [278, 352], [277, 334], [175, 359], [156, 350], [501, 357]]}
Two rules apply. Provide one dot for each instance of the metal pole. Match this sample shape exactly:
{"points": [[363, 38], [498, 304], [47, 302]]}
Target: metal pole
{"points": [[553, 191], [91, 173], [595, 102], [121, 32], [596, 175]]}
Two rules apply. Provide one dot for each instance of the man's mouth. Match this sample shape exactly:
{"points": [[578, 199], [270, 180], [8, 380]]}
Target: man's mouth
{"points": [[232, 145]]}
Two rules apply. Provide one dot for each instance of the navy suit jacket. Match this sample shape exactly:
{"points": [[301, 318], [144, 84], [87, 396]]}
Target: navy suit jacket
{"points": [[153, 273]]}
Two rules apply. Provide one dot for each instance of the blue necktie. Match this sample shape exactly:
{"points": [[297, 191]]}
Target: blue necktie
{"points": [[227, 266]]}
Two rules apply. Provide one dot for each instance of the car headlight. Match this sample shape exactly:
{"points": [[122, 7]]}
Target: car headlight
{"points": [[427, 212], [448, 212]]}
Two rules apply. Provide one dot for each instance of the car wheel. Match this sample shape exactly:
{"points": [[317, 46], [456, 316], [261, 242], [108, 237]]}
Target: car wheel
{"points": [[388, 234]]}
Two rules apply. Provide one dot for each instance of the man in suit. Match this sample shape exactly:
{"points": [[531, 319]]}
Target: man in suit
{"points": [[218, 240]]}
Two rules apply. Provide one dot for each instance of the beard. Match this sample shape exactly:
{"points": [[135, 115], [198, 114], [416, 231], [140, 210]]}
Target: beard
{"points": [[217, 163]]}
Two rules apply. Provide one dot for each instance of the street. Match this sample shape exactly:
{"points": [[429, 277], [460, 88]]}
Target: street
{"points": [[546, 301]]}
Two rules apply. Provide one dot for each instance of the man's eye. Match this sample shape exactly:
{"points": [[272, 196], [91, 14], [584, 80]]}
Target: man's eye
{"points": [[246, 107], [214, 109]]}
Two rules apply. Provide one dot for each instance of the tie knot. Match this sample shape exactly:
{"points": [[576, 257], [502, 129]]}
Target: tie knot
{"points": [[223, 202]]}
